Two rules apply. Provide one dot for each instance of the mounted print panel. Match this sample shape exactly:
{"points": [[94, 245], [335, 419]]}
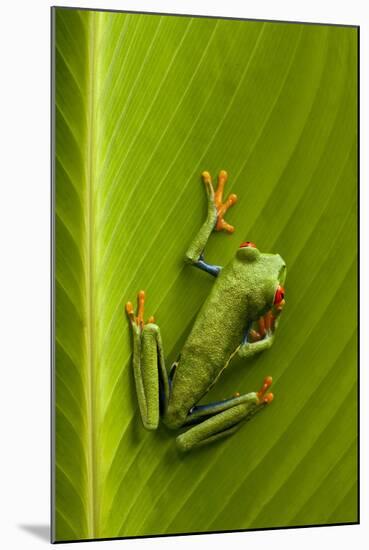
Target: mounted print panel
{"points": [[205, 185]]}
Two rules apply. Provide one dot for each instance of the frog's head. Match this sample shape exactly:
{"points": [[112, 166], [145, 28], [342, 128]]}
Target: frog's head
{"points": [[265, 275]]}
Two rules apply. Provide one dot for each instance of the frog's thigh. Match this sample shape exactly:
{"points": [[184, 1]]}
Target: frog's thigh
{"points": [[222, 424], [150, 374], [226, 417]]}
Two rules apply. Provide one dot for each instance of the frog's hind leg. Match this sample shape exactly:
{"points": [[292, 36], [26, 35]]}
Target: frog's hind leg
{"points": [[219, 420], [150, 375]]}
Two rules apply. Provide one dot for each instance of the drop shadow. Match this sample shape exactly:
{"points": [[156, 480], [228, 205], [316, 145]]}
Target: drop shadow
{"points": [[41, 531]]}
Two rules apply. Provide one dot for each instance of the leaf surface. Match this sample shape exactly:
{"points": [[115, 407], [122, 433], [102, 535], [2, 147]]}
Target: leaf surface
{"points": [[144, 104]]}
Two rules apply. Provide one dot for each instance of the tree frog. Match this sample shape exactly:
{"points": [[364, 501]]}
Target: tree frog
{"points": [[239, 318]]}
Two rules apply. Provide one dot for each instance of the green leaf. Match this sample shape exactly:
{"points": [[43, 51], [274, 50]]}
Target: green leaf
{"points": [[144, 104]]}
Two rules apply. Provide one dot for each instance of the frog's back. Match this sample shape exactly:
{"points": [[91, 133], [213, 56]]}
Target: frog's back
{"points": [[243, 291], [219, 329]]}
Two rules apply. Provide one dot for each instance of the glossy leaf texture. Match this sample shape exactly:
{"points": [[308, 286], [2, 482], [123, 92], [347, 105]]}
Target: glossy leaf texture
{"points": [[144, 104]]}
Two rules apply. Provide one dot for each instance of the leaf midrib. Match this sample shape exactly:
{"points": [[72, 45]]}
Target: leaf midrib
{"points": [[96, 401], [92, 512]]}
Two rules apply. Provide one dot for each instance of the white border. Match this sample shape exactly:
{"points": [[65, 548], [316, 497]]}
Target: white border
{"points": [[24, 272]]}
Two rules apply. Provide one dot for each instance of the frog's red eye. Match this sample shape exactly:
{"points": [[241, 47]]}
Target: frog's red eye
{"points": [[279, 295], [247, 243]]}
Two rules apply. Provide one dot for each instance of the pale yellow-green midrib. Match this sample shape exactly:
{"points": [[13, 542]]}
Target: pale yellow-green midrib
{"points": [[90, 267]]}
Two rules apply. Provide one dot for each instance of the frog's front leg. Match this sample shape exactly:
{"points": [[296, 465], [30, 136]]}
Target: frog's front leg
{"points": [[150, 374], [260, 335], [222, 419], [214, 222]]}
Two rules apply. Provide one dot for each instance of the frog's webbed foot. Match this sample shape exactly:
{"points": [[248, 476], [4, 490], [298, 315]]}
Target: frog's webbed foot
{"points": [[138, 319], [217, 197]]}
